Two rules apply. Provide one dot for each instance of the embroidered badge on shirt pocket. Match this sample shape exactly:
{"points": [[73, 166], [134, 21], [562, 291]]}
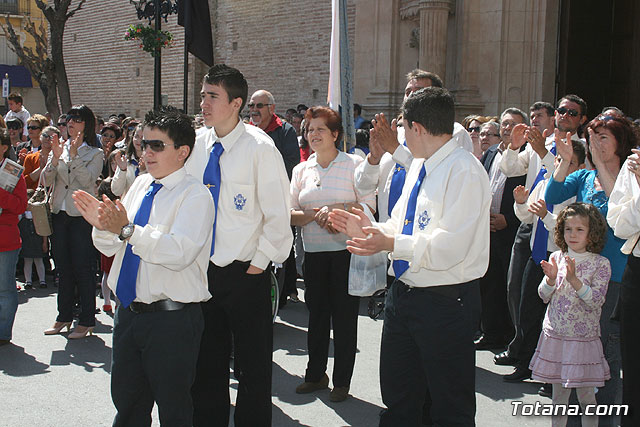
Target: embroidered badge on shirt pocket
{"points": [[241, 196], [423, 220]]}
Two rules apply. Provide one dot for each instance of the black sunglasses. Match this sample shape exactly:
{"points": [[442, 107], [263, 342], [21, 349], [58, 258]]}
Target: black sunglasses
{"points": [[474, 129], [155, 144], [76, 119], [33, 127], [61, 124], [258, 105], [14, 125], [571, 111]]}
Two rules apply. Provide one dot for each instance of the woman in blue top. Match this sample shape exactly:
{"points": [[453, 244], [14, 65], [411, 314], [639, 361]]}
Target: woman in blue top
{"points": [[610, 140]]}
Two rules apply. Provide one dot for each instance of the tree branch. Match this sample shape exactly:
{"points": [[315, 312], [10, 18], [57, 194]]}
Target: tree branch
{"points": [[70, 14]]}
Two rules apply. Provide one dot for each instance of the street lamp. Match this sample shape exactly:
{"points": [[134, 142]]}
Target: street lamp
{"points": [[155, 10]]}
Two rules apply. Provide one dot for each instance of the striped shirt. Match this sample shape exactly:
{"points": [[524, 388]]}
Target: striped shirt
{"points": [[313, 186]]}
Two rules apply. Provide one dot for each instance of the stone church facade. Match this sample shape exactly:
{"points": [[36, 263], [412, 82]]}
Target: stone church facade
{"points": [[491, 54]]}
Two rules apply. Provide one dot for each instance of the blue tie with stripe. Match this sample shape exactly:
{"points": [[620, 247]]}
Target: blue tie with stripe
{"points": [[539, 249], [400, 266], [211, 179], [126, 288], [397, 182]]}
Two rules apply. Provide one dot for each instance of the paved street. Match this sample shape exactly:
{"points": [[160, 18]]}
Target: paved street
{"points": [[52, 381]]}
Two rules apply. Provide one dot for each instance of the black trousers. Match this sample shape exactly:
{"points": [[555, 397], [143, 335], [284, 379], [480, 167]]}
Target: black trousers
{"points": [[240, 310], [630, 345], [326, 276], [75, 261], [495, 321], [427, 346], [532, 311], [520, 253], [154, 359]]}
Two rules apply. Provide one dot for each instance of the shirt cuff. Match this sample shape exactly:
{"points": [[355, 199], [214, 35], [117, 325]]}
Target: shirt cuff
{"points": [[403, 247], [403, 156], [137, 234], [584, 293], [260, 260]]}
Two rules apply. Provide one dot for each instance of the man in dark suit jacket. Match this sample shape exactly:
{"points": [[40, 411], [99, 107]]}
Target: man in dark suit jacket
{"points": [[495, 321]]}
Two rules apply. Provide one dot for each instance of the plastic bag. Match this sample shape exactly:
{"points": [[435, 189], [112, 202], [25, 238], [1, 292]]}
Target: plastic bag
{"points": [[367, 274]]}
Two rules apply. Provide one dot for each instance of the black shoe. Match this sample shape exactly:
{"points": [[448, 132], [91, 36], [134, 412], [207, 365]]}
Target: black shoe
{"points": [[43, 285], [545, 390], [4, 342], [485, 343], [503, 359], [520, 374]]}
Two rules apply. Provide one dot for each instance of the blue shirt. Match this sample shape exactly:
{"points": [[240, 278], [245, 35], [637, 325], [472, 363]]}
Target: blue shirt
{"points": [[581, 184]]}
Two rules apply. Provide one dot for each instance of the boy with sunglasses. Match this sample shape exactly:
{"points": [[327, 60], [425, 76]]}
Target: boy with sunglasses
{"points": [[17, 110], [159, 274]]}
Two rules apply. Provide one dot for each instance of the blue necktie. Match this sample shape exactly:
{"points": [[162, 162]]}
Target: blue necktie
{"points": [[539, 250], [397, 182], [211, 179], [135, 163], [400, 266], [126, 288]]}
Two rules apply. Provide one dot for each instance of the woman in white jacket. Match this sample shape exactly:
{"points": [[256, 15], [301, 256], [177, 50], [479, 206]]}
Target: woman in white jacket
{"points": [[129, 165]]}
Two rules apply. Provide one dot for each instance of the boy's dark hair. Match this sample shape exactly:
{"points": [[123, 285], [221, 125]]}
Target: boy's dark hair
{"points": [[419, 74], [15, 97], [433, 108], [541, 105], [231, 79], [362, 138], [89, 119], [105, 188], [357, 108], [177, 125], [597, 236], [579, 150]]}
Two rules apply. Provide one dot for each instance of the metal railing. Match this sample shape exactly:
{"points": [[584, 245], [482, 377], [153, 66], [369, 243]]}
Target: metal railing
{"points": [[15, 7]]}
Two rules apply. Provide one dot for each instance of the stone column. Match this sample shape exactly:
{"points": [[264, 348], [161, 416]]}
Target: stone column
{"points": [[434, 15]]}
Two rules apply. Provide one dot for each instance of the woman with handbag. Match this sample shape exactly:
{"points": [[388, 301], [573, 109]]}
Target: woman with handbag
{"points": [[13, 203], [74, 165], [323, 183]]}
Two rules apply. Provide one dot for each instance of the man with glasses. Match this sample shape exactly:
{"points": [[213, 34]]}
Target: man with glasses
{"points": [[14, 126], [537, 154], [262, 109], [495, 320]]}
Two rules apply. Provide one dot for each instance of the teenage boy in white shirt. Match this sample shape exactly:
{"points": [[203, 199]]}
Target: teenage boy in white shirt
{"points": [[438, 237], [244, 170], [165, 221]]}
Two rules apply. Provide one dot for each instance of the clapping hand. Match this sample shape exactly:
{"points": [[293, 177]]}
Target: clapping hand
{"points": [[538, 140], [571, 273], [520, 194], [634, 164], [564, 146], [121, 161], [57, 147], [538, 208], [384, 134], [350, 224], [22, 154], [104, 215], [595, 148], [75, 144], [550, 270], [518, 136]]}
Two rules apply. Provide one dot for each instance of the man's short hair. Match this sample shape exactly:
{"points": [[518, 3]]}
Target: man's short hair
{"points": [[357, 108], [418, 74], [177, 125], [575, 98], [541, 105], [494, 125], [297, 116], [517, 112], [15, 97], [433, 108], [231, 79], [291, 111]]}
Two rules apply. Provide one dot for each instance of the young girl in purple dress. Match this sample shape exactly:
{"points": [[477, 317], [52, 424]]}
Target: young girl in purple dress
{"points": [[569, 353]]}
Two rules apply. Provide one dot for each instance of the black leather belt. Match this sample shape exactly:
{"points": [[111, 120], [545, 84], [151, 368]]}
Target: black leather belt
{"points": [[163, 305], [451, 291]]}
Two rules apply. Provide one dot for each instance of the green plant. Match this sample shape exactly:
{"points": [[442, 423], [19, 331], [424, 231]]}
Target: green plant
{"points": [[150, 40]]}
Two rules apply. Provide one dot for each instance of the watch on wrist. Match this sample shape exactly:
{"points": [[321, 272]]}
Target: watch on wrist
{"points": [[126, 232]]}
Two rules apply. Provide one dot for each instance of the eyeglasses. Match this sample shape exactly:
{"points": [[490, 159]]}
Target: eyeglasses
{"points": [[76, 119], [259, 105], [34, 127], [571, 111], [474, 129], [155, 144], [46, 136], [485, 134], [14, 125], [61, 125]]}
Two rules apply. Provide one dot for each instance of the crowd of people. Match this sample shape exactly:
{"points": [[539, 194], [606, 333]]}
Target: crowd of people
{"points": [[514, 233]]}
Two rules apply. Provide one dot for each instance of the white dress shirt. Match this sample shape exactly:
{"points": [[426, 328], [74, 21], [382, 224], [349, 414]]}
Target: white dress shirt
{"points": [[378, 177], [450, 240], [254, 207], [497, 179], [624, 210], [173, 247], [122, 180]]}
